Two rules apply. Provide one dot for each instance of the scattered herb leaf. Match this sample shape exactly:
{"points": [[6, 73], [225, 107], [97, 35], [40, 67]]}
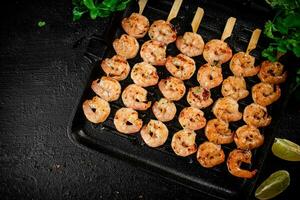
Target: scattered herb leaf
{"points": [[97, 8], [41, 24]]}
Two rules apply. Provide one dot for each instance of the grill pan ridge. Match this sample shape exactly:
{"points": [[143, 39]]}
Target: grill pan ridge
{"points": [[216, 182]]}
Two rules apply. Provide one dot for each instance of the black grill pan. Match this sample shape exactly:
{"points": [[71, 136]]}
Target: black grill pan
{"points": [[216, 182]]}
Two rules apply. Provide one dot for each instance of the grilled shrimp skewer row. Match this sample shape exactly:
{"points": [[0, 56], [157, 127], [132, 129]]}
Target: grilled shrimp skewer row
{"points": [[164, 110], [164, 31], [135, 97], [137, 25], [242, 63], [217, 52], [107, 88], [116, 67], [96, 110], [126, 46], [191, 43]]}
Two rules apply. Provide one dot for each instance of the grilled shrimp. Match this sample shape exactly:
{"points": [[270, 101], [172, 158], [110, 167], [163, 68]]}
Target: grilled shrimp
{"points": [[217, 52], [126, 46], [248, 137], [183, 142], [256, 115], [155, 133], [272, 72], [242, 64], [192, 118], [116, 67], [209, 76], [181, 66], [144, 74], [218, 132], [154, 52], [127, 121], [96, 110], [210, 154], [172, 88], [136, 25], [199, 97], [190, 44], [135, 97], [107, 88], [265, 94], [227, 109], [234, 161], [164, 110], [235, 87], [162, 31]]}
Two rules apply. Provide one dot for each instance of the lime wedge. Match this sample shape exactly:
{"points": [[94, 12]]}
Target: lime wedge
{"points": [[273, 185], [286, 150]]}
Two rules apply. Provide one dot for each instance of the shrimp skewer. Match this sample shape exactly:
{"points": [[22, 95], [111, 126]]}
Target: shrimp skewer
{"points": [[183, 142], [126, 46], [164, 31], [164, 110], [265, 94], [272, 72], [181, 66], [210, 154], [217, 52], [209, 76], [172, 88], [235, 87], [256, 115], [242, 63], [127, 121], [137, 25], [154, 52], [135, 97], [155, 133], [234, 161], [248, 137], [227, 109], [192, 118], [144, 74], [116, 67], [96, 110], [218, 132], [107, 88], [191, 43], [199, 97]]}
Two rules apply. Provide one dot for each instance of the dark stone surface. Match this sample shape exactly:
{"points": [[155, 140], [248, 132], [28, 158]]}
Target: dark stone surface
{"points": [[41, 76]]}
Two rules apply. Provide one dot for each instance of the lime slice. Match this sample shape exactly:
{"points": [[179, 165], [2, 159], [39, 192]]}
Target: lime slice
{"points": [[273, 185], [286, 150]]}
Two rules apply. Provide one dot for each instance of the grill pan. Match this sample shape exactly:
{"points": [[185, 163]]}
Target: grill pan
{"points": [[216, 182]]}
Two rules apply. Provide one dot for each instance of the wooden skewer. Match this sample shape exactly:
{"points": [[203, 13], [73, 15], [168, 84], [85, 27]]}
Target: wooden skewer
{"points": [[142, 5], [228, 28], [197, 19], [174, 10], [253, 40]]}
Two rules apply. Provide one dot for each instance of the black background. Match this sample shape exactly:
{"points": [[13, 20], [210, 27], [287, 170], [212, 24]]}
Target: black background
{"points": [[41, 78]]}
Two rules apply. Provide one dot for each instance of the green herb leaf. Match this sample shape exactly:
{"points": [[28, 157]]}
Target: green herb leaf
{"points": [[41, 24]]}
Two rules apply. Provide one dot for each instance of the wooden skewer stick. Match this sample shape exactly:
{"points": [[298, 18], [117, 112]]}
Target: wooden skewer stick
{"points": [[174, 10], [197, 19], [253, 40], [142, 5], [228, 28]]}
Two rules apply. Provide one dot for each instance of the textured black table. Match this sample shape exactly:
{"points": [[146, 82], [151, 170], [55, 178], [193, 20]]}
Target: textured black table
{"points": [[41, 76]]}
